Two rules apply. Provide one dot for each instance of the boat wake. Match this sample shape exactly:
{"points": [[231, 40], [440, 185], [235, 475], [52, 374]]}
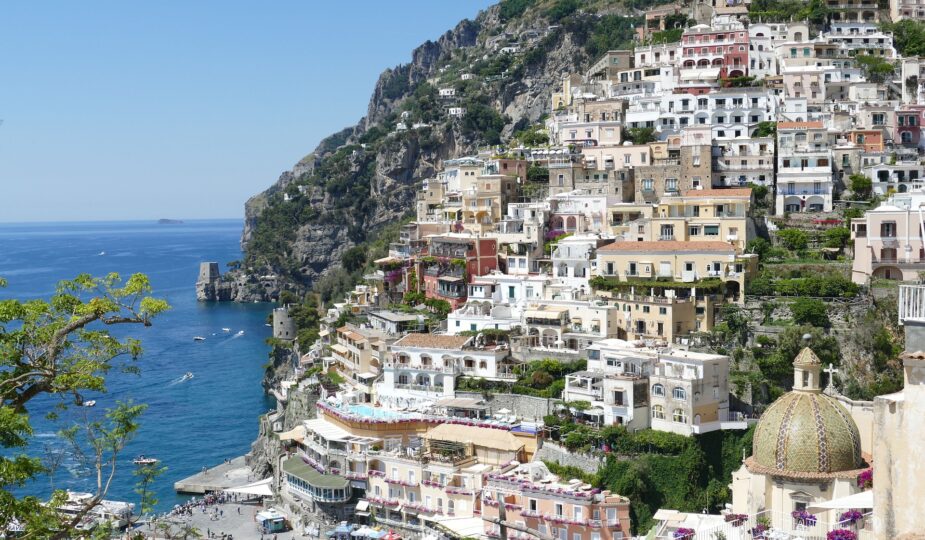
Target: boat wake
{"points": [[185, 377]]}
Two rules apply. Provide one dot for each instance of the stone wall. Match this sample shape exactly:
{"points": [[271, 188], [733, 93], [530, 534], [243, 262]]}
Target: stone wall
{"points": [[557, 454], [526, 407]]}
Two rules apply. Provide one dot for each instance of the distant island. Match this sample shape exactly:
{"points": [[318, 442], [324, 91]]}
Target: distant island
{"points": [[170, 221]]}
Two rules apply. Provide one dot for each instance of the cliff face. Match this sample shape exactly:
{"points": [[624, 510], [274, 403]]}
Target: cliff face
{"points": [[367, 175]]}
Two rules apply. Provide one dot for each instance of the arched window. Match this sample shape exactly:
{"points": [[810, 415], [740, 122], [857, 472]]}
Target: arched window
{"points": [[658, 390], [679, 416], [483, 364], [450, 506], [679, 393], [658, 412]]}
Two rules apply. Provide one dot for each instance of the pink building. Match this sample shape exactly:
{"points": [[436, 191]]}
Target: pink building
{"points": [[534, 498], [720, 46], [888, 240]]}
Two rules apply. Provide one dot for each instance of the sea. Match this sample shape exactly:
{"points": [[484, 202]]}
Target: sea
{"points": [[189, 424]]}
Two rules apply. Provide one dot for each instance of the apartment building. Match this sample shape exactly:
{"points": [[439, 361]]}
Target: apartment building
{"points": [[888, 240], [686, 262], [424, 367], [452, 260], [704, 215], [853, 11], [616, 183], [721, 49], [680, 168], [437, 476], [907, 9], [576, 212], [573, 258], [740, 162], [360, 354], [804, 167], [535, 498], [898, 177], [689, 393]]}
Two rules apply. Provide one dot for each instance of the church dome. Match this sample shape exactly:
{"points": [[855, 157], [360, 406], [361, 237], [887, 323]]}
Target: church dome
{"points": [[805, 431]]}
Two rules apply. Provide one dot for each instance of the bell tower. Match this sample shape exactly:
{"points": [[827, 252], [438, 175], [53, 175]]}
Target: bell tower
{"points": [[806, 370]]}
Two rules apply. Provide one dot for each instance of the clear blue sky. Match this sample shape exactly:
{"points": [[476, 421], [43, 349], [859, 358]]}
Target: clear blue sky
{"points": [[142, 110]]}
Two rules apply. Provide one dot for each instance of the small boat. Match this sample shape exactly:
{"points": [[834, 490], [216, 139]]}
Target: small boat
{"points": [[240, 333], [226, 329], [186, 376], [268, 324], [90, 403], [102, 253], [199, 338], [142, 460]]}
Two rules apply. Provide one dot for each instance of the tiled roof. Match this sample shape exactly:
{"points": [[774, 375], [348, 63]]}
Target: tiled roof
{"points": [[666, 245], [730, 192], [432, 341], [807, 358]]}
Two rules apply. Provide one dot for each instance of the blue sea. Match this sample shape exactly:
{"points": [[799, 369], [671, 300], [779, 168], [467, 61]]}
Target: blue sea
{"points": [[189, 424]]}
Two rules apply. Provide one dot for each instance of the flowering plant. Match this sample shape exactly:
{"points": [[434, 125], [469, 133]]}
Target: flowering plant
{"points": [[841, 534], [736, 519], [758, 530], [554, 233], [866, 479], [683, 534], [851, 516], [804, 517]]}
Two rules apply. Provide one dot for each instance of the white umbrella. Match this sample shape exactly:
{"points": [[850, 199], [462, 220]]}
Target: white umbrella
{"points": [[864, 499], [504, 411]]}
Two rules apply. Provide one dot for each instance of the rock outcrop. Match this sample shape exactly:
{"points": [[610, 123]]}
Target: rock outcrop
{"points": [[376, 184]]}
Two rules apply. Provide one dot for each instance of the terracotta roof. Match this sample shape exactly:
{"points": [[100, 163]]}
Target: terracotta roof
{"points": [[798, 125], [730, 192], [348, 332], [432, 341], [667, 245]]}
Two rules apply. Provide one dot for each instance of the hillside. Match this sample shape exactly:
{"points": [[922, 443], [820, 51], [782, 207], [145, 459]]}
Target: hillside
{"points": [[365, 177]]}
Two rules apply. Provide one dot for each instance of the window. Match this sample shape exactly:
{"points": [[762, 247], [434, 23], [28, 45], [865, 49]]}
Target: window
{"points": [[531, 504], [693, 230], [658, 412], [711, 230], [679, 416], [671, 184], [577, 512], [679, 393], [658, 390], [558, 509], [647, 184]]}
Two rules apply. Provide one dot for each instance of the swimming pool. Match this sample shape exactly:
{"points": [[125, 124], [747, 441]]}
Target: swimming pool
{"points": [[377, 413]]}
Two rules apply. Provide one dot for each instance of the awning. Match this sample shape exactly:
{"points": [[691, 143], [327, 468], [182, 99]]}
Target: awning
{"points": [[700, 74], [295, 434], [451, 279], [596, 411], [340, 349], [261, 488], [362, 506], [864, 499]]}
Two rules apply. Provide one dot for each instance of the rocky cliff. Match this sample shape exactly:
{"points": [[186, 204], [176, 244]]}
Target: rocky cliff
{"points": [[366, 176]]}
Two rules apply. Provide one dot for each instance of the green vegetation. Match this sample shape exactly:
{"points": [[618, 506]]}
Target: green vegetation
{"points": [[610, 32], [813, 11], [810, 311], [540, 378], [512, 9], [58, 349], [601, 283], [908, 36], [877, 68], [562, 9], [672, 35], [836, 237], [532, 136], [537, 174], [766, 129], [831, 285], [483, 123], [861, 187], [640, 135], [793, 239]]}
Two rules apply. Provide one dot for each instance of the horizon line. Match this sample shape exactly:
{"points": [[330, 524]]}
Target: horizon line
{"points": [[152, 221]]}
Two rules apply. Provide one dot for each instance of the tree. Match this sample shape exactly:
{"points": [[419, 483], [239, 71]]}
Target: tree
{"points": [[878, 69], [640, 135], [908, 37], [59, 349], [147, 474], [810, 311], [354, 258], [837, 237], [758, 246], [861, 186], [793, 239], [766, 129]]}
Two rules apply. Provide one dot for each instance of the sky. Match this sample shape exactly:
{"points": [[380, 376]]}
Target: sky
{"points": [[176, 109]]}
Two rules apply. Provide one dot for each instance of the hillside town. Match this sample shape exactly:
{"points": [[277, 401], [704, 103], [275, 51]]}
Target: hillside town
{"points": [[568, 301]]}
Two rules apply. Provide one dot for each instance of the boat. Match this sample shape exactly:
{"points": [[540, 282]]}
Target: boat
{"points": [[226, 329], [142, 460], [164, 221], [102, 253], [199, 338], [186, 376], [240, 333], [90, 403], [118, 514]]}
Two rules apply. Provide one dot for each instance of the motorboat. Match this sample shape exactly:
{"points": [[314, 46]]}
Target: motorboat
{"points": [[117, 513], [142, 460], [226, 329], [199, 338], [240, 333], [90, 403], [186, 376]]}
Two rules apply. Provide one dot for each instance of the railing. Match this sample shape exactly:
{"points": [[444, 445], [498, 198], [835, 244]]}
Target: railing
{"points": [[419, 387]]}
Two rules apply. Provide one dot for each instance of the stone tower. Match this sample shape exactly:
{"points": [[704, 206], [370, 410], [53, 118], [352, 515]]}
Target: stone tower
{"points": [[208, 273], [283, 325]]}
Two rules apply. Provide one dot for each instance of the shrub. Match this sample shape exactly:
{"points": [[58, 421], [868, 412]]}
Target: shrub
{"points": [[810, 311], [793, 239], [861, 186], [837, 237]]}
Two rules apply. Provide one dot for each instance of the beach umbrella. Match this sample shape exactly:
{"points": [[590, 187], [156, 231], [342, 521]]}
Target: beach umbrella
{"points": [[392, 535], [504, 411]]}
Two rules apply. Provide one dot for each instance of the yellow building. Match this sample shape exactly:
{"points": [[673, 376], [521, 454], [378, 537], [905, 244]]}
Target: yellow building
{"points": [[706, 215]]}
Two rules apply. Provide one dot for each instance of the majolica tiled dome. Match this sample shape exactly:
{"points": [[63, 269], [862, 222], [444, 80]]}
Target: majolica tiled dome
{"points": [[805, 431]]}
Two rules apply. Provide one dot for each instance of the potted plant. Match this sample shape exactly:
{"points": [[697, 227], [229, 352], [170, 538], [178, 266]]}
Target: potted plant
{"points": [[803, 517], [841, 534], [851, 517], [683, 533]]}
